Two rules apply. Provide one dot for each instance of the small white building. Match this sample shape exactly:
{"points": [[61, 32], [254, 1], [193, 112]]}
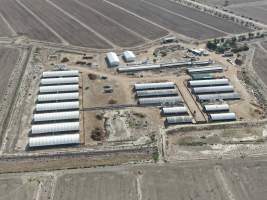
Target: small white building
{"points": [[113, 59], [129, 56]]}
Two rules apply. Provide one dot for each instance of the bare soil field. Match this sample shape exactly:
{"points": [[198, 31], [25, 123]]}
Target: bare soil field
{"points": [[68, 28], [8, 59], [15, 188], [222, 3], [24, 23], [110, 30], [194, 14], [240, 180], [4, 30], [169, 20], [128, 20], [259, 63], [258, 13]]}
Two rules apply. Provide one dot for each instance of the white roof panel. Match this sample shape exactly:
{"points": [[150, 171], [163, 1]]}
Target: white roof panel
{"points": [[50, 74], [57, 81], [58, 97], [56, 116], [57, 106], [54, 140], [55, 127], [59, 88]]}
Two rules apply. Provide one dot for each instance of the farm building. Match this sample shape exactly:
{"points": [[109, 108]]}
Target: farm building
{"points": [[58, 97], [113, 59], [59, 88], [201, 83], [210, 69], [138, 68], [223, 96], [160, 101], [222, 117], [174, 110], [202, 76], [56, 116], [129, 56], [216, 108], [58, 81], [51, 74], [179, 120], [54, 140], [156, 93], [214, 89], [151, 86], [57, 106], [55, 127]]}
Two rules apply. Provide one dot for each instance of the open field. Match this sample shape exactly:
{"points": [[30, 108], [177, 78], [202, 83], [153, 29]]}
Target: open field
{"points": [[201, 17], [259, 63], [8, 59], [64, 25], [254, 11], [126, 19], [169, 20], [198, 180], [109, 24], [110, 30], [16, 16], [4, 30]]}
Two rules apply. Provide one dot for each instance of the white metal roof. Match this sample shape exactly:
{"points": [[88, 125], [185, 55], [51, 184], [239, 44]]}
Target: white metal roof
{"points": [[205, 69], [56, 116], [138, 68], [174, 110], [57, 106], [54, 140], [113, 59], [161, 85], [216, 107], [222, 116], [56, 81], [58, 97], [222, 96], [55, 127], [150, 93], [59, 88], [50, 74], [129, 56], [179, 119], [213, 89], [196, 83], [160, 100]]}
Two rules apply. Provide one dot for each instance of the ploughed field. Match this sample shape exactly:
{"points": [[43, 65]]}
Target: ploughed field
{"points": [[108, 24], [259, 63], [8, 59]]}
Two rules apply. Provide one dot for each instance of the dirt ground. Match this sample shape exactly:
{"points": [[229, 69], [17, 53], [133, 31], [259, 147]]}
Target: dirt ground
{"points": [[259, 63], [216, 143], [198, 180]]}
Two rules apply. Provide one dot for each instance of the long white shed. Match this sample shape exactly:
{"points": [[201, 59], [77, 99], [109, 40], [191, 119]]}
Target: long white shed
{"points": [[201, 83], [56, 116], [156, 93], [213, 89], [58, 97], [216, 108], [160, 101], [178, 110], [55, 127], [58, 81], [57, 106], [179, 120], [59, 88], [69, 73], [222, 117], [151, 86], [54, 140]]}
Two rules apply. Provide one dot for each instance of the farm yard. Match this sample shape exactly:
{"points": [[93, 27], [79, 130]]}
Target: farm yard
{"points": [[108, 24]]}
